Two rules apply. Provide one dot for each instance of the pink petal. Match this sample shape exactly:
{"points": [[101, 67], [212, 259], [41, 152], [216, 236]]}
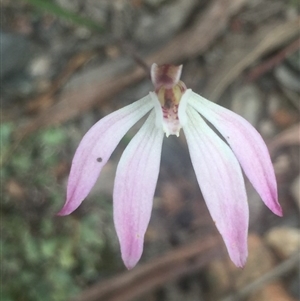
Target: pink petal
{"points": [[247, 145], [220, 179], [134, 189], [96, 148]]}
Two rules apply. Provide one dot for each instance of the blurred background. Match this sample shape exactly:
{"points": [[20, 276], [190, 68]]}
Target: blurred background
{"points": [[67, 63]]}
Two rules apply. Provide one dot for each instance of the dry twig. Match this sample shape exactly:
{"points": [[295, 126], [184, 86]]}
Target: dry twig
{"points": [[144, 278], [44, 101], [289, 137], [286, 266], [269, 37], [274, 61], [190, 43]]}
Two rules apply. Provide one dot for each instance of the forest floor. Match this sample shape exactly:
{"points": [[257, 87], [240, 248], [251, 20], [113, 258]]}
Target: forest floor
{"points": [[68, 63]]}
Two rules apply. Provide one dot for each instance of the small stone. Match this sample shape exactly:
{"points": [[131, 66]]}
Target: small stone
{"points": [[284, 240], [287, 78], [15, 190], [99, 11], [40, 66], [83, 33], [157, 28], [292, 11], [71, 5], [248, 103], [267, 128], [284, 117], [112, 51]]}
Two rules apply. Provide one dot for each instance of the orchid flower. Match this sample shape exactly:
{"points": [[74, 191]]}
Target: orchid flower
{"points": [[217, 163]]}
